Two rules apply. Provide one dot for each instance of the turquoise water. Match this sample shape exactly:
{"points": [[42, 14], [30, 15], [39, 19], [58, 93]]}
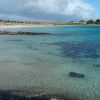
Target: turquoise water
{"points": [[41, 64]]}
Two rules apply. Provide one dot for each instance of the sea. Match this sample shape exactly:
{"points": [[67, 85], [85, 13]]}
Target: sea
{"points": [[40, 64]]}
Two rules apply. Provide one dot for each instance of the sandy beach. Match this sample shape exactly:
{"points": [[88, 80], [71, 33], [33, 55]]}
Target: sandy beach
{"points": [[34, 24], [4, 25]]}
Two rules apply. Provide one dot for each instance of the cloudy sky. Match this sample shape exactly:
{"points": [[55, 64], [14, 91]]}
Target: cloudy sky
{"points": [[49, 10]]}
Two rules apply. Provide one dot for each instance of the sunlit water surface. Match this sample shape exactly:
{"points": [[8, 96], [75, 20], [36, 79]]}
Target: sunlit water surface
{"points": [[41, 64]]}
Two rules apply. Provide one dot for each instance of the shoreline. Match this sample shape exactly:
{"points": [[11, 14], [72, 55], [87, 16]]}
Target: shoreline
{"points": [[42, 24], [19, 25]]}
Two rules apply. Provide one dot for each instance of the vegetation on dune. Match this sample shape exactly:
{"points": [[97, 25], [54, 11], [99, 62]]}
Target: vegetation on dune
{"points": [[97, 21], [93, 21], [81, 22], [90, 22]]}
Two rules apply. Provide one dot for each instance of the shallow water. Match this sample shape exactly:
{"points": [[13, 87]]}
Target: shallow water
{"points": [[41, 64]]}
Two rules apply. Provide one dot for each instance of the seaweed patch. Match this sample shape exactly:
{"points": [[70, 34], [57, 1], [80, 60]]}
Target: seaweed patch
{"points": [[79, 49]]}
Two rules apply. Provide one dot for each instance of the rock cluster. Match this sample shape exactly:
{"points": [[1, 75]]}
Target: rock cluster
{"points": [[21, 33]]}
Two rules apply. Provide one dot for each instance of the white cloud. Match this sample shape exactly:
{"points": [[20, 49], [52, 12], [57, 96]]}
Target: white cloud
{"points": [[64, 7], [48, 9], [78, 7]]}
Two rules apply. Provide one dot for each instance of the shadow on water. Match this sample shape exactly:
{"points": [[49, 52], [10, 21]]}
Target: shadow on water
{"points": [[96, 65], [8, 95], [16, 40], [79, 49]]}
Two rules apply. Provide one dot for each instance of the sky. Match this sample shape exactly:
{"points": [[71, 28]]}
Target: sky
{"points": [[49, 10]]}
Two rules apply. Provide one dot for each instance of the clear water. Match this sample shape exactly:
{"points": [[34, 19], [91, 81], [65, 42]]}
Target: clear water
{"points": [[41, 64]]}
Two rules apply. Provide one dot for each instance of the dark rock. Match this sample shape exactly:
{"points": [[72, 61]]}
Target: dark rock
{"points": [[8, 95], [21, 33], [77, 75]]}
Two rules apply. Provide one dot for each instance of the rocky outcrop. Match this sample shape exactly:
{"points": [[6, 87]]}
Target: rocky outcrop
{"points": [[21, 33], [77, 75]]}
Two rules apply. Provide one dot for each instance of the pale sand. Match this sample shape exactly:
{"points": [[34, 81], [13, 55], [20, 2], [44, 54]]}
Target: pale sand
{"points": [[36, 24], [20, 25]]}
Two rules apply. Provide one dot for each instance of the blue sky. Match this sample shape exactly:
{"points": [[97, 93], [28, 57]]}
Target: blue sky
{"points": [[96, 6], [49, 10]]}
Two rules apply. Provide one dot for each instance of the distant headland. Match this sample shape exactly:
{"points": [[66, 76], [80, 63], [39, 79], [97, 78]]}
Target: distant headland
{"points": [[7, 23]]}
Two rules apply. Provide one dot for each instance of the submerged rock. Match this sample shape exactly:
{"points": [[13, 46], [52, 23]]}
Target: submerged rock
{"points": [[96, 65], [77, 50], [77, 75]]}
